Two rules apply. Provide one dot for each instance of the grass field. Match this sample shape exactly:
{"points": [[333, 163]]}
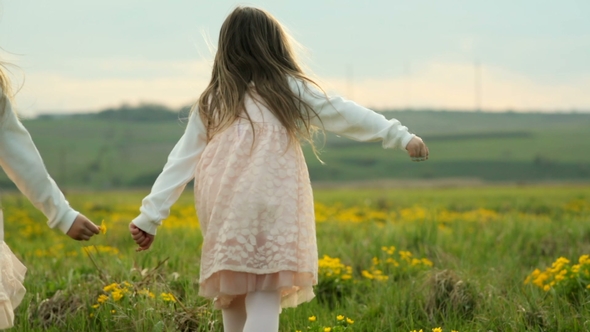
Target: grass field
{"points": [[100, 153], [462, 259]]}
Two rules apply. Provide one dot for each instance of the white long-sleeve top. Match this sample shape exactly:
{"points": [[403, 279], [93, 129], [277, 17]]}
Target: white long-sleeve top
{"points": [[335, 114], [21, 161]]}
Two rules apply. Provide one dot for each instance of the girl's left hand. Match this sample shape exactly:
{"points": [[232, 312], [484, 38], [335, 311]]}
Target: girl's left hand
{"points": [[417, 150], [144, 240], [82, 229]]}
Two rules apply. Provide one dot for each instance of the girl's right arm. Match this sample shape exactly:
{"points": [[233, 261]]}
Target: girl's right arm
{"points": [[22, 163], [178, 171]]}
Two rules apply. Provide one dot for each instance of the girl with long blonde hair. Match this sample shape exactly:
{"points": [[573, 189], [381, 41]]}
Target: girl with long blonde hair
{"points": [[252, 189]]}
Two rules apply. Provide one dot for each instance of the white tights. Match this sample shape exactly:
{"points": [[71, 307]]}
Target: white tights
{"points": [[254, 312]]}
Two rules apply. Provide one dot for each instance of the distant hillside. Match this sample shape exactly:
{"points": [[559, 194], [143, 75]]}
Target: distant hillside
{"points": [[127, 147], [141, 113]]}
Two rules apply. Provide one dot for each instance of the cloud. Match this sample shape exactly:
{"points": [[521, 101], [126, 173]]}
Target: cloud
{"points": [[452, 86], [174, 83], [177, 83]]}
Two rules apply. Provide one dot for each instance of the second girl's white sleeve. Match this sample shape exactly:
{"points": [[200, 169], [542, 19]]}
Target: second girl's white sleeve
{"points": [[178, 171], [347, 118], [22, 162]]}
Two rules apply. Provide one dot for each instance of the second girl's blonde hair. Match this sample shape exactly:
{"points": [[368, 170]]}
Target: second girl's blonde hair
{"points": [[5, 88], [4, 81], [254, 48]]}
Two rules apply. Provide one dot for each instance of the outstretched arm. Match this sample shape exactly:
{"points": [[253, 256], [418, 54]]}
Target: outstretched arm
{"points": [[22, 163], [178, 171], [347, 118]]}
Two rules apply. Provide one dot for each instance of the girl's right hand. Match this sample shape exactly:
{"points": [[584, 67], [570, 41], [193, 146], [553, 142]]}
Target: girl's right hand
{"points": [[82, 229], [143, 239], [417, 150]]}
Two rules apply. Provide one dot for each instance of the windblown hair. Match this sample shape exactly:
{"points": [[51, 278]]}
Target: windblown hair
{"points": [[254, 48], [6, 90], [4, 81]]}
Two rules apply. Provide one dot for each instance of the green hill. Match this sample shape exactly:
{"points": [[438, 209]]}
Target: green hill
{"points": [[489, 146], [128, 147]]}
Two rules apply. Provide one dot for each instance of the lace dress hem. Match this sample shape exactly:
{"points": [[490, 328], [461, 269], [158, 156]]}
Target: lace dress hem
{"points": [[223, 286], [12, 291]]}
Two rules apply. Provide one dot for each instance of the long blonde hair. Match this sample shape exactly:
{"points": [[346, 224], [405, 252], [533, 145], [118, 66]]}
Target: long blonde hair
{"points": [[4, 81], [254, 48], [6, 89]]}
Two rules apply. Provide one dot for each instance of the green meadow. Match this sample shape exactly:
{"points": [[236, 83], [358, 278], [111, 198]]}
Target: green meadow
{"points": [[495, 258], [127, 148]]}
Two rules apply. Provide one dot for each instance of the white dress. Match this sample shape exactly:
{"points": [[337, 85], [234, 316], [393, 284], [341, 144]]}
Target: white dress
{"points": [[254, 198], [21, 161], [12, 275]]}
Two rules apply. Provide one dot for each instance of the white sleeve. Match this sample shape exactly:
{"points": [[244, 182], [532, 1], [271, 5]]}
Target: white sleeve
{"points": [[178, 171], [346, 118], [22, 162]]}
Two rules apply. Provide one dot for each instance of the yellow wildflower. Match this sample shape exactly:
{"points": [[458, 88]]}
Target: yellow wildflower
{"points": [[312, 319], [327, 329], [102, 298], [405, 255], [426, 262], [99, 249], [95, 306], [437, 329], [103, 227], [117, 295], [168, 297], [339, 317], [349, 321], [110, 287], [147, 293]]}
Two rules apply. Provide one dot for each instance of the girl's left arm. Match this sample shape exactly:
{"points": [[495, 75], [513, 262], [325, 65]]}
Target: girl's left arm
{"points": [[347, 118], [178, 171], [21, 161]]}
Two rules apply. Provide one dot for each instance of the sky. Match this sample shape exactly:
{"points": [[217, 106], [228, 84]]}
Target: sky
{"points": [[520, 55]]}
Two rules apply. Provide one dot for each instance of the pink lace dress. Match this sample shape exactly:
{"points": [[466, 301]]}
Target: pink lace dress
{"points": [[255, 207], [12, 274]]}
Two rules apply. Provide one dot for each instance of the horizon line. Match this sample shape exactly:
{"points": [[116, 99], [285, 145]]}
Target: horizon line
{"points": [[57, 113]]}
